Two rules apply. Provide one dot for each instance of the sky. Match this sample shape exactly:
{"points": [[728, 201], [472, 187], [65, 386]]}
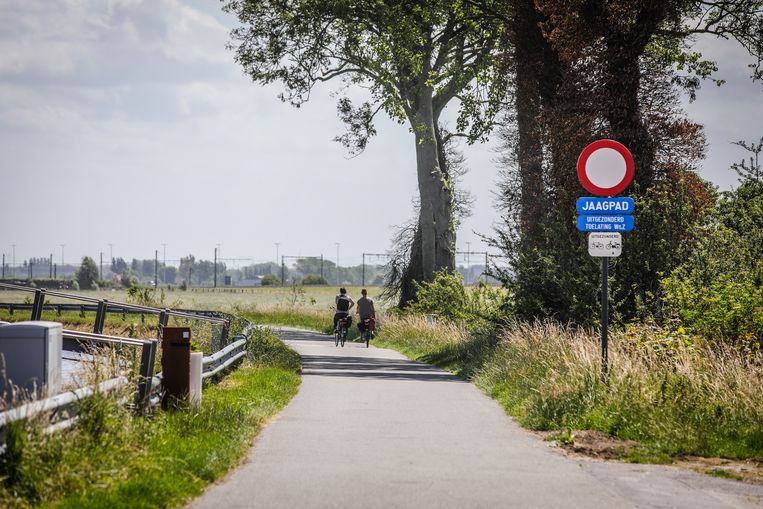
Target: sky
{"points": [[126, 127]]}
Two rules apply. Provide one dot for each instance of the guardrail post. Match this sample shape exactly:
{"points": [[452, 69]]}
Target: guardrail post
{"points": [[224, 334], [39, 302], [147, 359], [163, 318], [100, 316]]}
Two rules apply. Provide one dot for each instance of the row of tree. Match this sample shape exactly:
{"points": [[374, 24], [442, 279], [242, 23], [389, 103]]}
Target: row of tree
{"points": [[555, 75]]}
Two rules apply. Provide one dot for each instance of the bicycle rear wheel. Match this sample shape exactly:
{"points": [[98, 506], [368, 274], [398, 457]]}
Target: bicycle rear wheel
{"points": [[367, 334], [336, 338], [343, 335]]}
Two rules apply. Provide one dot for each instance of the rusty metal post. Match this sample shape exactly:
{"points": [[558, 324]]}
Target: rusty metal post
{"points": [[176, 363]]}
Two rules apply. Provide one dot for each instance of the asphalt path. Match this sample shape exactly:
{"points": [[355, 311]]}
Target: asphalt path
{"points": [[371, 429]]}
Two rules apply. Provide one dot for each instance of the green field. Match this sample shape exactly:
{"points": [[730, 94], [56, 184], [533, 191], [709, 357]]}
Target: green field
{"points": [[220, 299]]}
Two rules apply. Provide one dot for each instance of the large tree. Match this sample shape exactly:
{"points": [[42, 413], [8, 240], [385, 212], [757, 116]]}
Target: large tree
{"points": [[412, 57], [592, 68]]}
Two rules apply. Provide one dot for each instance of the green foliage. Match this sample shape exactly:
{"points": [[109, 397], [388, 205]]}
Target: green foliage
{"points": [[265, 349], [718, 290], [145, 296], [313, 279], [388, 48], [270, 280], [87, 274], [447, 297], [127, 280]]}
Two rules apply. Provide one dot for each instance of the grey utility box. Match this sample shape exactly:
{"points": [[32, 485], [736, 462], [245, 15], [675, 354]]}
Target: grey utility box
{"points": [[30, 358]]}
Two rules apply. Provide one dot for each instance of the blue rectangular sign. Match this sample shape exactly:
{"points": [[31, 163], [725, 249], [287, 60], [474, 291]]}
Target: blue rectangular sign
{"points": [[605, 223], [588, 205]]}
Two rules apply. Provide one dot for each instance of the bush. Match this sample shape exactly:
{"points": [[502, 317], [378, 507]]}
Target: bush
{"points": [[127, 280], [270, 280], [266, 349], [87, 274], [447, 297], [717, 291], [313, 279]]}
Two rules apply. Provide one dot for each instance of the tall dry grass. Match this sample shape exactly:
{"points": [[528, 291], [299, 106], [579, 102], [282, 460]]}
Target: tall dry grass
{"points": [[672, 394]]}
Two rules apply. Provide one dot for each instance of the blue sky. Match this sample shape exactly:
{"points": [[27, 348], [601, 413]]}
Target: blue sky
{"points": [[126, 122]]}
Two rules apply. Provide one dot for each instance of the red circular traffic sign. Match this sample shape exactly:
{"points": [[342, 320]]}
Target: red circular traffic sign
{"points": [[605, 168]]}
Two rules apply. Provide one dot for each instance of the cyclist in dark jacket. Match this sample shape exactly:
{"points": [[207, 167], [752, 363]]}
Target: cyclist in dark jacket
{"points": [[343, 305]]}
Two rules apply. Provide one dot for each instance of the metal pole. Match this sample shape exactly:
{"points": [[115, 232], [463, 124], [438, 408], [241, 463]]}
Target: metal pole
{"points": [[604, 316], [363, 272], [215, 268], [50, 260], [283, 272], [13, 263], [3, 265], [101, 265], [156, 269], [55, 271], [31, 270]]}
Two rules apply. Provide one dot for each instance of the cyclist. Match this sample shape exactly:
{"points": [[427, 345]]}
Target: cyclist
{"points": [[343, 305], [365, 310]]}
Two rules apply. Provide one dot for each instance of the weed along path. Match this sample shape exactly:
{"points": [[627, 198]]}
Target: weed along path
{"points": [[370, 428]]}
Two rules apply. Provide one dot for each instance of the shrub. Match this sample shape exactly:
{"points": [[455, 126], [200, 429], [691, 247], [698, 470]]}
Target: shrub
{"points": [[447, 297], [313, 279], [87, 274], [270, 280], [717, 291], [127, 280]]}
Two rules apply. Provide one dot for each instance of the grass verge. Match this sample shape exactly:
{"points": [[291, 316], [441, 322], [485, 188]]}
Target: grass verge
{"points": [[672, 398], [112, 459]]}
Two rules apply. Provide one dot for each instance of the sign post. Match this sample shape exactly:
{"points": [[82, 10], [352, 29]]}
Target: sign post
{"points": [[605, 169], [604, 315]]}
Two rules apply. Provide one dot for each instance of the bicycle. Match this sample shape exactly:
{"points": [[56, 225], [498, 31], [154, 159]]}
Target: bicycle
{"points": [[340, 335], [367, 330]]}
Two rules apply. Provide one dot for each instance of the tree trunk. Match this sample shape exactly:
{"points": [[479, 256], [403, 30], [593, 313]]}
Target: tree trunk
{"points": [[433, 246], [624, 111], [528, 43], [435, 195]]}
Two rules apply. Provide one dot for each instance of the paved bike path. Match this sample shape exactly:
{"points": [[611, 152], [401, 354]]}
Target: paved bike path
{"points": [[370, 428]]}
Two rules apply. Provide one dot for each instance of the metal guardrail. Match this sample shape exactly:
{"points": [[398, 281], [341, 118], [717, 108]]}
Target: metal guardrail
{"points": [[149, 394], [61, 406], [221, 360], [101, 307], [149, 391], [82, 341]]}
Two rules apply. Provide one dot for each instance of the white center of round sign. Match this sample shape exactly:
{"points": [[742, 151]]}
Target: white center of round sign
{"points": [[605, 167]]}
